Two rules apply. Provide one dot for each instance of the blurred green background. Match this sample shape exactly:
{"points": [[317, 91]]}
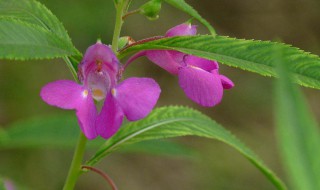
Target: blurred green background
{"points": [[246, 110]]}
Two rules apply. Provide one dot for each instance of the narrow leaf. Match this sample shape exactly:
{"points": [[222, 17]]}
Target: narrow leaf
{"points": [[251, 55], [185, 7], [297, 131], [20, 40], [179, 121]]}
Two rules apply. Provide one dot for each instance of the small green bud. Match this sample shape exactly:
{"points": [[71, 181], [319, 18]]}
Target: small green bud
{"points": [[124, 41], [151, 9]]}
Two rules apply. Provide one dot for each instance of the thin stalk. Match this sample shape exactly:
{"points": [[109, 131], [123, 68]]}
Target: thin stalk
{"points": [[75, 168], [120, 9], [71, 68], [102, 174]]}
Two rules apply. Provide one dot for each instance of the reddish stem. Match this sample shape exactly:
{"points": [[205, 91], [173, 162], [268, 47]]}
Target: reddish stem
{"points": [[103, 174]]}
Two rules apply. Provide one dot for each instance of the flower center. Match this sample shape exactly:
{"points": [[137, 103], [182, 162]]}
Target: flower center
{"points": [[99, 83]]}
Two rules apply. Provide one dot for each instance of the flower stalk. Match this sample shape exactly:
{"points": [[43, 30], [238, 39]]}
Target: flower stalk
{"points": [[75, 167], [120, 9]]}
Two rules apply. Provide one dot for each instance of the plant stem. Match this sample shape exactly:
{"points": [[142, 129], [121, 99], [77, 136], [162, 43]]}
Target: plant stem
{"points": [[75, 167], [120, 8], [71, 68], [103, 174]]}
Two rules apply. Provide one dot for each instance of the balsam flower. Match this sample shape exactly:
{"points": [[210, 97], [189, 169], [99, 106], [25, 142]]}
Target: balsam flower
{"points": [[198, 77], [98, 73]]}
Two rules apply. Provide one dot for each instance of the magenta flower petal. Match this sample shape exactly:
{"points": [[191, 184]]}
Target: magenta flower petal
{"points": [[70, 95], [137, 97], [201, 86], [164, 59], [182, 30], [64, 94], [226, 82], [202, 63], [110, 118], [87, 113]]}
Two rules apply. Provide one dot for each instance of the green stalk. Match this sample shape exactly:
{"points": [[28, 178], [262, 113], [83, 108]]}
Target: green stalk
{"points": [[75, 167], [120, 9]]}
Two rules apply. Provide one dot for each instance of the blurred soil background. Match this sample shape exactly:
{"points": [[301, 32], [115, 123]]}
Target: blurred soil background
{"points": [[246, 110]]}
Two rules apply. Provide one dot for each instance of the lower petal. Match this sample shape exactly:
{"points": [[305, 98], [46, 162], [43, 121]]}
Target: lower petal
{"points": [[87, 113], [226, 82], [70, 95], [110, 118], [137, 97], [201, 86]]}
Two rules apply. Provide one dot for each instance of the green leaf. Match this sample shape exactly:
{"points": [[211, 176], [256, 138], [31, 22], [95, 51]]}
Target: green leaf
{"points": [[251, 55], [31, 13], [178, 121], [161, 148], [297, 131], [20, 40], [185, 7]]}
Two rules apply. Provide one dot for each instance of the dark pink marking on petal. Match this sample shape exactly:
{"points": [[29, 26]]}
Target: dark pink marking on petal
{"points": [[110, 118], [184, 29], [202, 63], [226, 82], [137, 97], [201, 86]]}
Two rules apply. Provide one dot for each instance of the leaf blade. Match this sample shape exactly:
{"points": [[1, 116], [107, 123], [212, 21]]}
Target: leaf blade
{"points": [[250, 55], [33, 43], [173, 121], [297, 131]]}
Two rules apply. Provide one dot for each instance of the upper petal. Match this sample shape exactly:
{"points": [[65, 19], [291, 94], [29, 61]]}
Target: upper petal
{"points": [[184, 29], [101, 59], [164, 59], [201, 86], [202, 63], [137, 97], [64, 94], [110, 118]]}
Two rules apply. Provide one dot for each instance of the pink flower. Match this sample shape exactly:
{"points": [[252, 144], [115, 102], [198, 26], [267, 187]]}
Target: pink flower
{"points": [[198, 77], [133, 97]]}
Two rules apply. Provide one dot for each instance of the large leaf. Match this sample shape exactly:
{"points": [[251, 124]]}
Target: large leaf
{"points": [[251, 55], [31, 13], [179, 121], [185, 7], [20, 40], [298, 133]]}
